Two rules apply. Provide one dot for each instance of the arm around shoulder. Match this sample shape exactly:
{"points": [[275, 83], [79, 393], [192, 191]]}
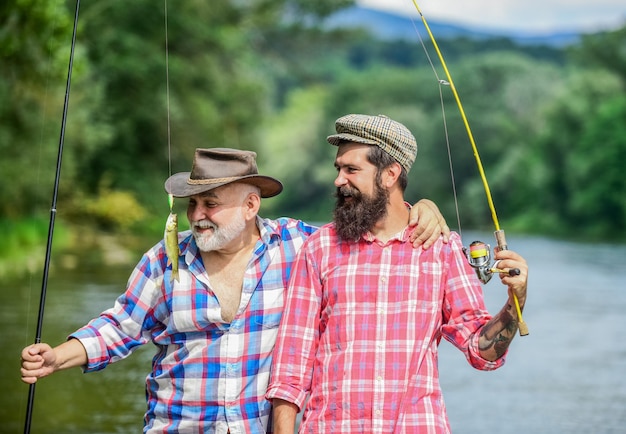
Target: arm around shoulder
{"points": [[429, 222]]}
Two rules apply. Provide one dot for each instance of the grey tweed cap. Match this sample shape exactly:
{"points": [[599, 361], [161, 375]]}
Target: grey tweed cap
{"points": [[389, 135]]}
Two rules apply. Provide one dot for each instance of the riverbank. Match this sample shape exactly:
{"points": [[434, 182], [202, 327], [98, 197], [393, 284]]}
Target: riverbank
{"points": [[24, 247]]}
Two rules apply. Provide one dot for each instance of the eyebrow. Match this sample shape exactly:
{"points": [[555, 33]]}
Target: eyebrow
{"points": [[351, 165], [208, 194]]}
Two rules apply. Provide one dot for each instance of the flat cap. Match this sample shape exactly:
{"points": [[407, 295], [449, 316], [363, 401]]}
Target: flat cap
{"points": [[389, 135]]}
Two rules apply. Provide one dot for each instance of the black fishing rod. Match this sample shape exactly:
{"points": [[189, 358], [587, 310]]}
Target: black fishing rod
{"points": [[53, 211]]}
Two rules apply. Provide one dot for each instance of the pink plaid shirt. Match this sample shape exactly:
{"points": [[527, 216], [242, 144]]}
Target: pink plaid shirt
{"points": [[361, 329]]}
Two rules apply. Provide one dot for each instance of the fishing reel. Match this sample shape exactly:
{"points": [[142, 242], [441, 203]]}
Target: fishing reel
{"points": [[479, 257]]}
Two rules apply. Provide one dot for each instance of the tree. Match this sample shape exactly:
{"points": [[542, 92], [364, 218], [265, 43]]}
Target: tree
{"points": [[34, 48], [220, 87], [605, 49], [570, 149], [595, 173]]}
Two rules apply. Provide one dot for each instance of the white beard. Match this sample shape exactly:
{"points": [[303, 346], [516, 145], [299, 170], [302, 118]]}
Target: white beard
{"points": [[221, 236]]}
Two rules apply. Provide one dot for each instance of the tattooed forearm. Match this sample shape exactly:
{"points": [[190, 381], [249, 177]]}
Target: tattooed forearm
{"points": [[497, 334]]}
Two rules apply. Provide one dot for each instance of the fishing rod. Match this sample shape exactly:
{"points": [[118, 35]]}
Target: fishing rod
{"points": [[53, 211], [478, 254]]}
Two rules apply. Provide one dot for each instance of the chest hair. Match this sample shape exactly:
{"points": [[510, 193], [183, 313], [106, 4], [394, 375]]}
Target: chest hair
{"points": [[226, 277]]}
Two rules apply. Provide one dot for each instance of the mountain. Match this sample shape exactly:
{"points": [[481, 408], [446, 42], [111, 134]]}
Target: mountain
{"points": [[386, 25]]}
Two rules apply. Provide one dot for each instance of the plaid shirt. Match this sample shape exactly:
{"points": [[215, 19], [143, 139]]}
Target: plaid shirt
{"points": [[207, 375], [361, 329]]}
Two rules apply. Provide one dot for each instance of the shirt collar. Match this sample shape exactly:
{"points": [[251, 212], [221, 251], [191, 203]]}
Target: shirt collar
{"points": [[268, 230], [402, 236]]}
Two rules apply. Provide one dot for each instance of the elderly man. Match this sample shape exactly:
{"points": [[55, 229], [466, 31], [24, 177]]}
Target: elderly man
{"points": [[365, 312], [214, 327]]}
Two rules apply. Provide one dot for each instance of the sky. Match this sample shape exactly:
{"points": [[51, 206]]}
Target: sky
{"points": [[536, 16]]}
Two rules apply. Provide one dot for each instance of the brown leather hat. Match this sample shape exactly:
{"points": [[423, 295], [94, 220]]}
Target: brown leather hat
{"points": [[215, 167]]}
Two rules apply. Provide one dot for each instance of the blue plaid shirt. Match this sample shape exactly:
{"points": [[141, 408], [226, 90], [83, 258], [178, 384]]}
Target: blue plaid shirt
{"points": [[207, 375]]}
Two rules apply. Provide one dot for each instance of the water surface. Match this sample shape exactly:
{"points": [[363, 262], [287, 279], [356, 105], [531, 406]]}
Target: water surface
{"points": [[567, 376]]}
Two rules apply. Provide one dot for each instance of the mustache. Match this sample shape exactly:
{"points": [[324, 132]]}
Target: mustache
{"points": [[204, 224], [347, 191]]}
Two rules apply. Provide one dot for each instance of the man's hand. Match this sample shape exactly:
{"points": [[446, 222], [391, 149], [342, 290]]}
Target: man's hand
{"points": [[38, 361], [429, 224], [497, 334], [507, 259]]}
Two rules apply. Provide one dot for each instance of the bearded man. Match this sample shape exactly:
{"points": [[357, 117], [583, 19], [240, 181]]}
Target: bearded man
{"points": [[365, 312]]}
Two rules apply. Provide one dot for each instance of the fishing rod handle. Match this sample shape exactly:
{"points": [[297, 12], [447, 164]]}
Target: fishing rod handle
{"points": [[501, 240]]}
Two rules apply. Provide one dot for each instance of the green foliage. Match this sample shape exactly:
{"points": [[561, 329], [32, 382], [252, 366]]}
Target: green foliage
{"points": [[24, 244], [34, 45], [110, 209], [218, 93], [292, 140], [115, 209], [606, 50], [503, 96], [33, 38], [261, 75], [595, 174]]}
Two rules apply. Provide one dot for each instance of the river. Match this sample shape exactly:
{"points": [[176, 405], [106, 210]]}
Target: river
{"points": [[567, 376]]}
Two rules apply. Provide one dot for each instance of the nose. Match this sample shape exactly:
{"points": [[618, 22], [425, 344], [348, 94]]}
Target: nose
{"points": [[340, 180], [196, 212]]}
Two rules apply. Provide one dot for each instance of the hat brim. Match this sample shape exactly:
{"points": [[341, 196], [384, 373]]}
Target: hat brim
{"points": [[177, 185], [338, 139]]}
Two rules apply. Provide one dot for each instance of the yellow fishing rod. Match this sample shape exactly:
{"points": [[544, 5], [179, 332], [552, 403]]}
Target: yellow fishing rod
{"points": [[479, 253]]}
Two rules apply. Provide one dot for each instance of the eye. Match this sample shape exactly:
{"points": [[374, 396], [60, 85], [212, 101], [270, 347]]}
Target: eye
{"points": [[347, 169], [209, 204]]}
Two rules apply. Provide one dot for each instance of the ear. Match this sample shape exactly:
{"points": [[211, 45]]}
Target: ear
{"points": [[251, 206], [391, 174]]}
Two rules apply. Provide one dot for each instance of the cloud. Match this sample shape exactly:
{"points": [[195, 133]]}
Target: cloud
{"points": [[535, 16]]}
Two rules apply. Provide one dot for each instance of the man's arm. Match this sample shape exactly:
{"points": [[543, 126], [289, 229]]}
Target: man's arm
{"points": [[429, 222], [497, 334], [40, 360], [284, 416]]}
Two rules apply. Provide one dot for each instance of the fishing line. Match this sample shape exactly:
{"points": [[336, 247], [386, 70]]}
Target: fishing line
{"points": [[170, 198], [465, 121], [167, 87], [445, 126], [44, 110]]}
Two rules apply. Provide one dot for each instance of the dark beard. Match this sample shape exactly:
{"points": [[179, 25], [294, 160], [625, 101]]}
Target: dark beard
{"points": [[355, 218]]}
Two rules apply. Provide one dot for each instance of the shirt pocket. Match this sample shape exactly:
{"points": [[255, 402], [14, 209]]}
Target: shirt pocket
{"points": [[267, 307], [268, 321]]}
